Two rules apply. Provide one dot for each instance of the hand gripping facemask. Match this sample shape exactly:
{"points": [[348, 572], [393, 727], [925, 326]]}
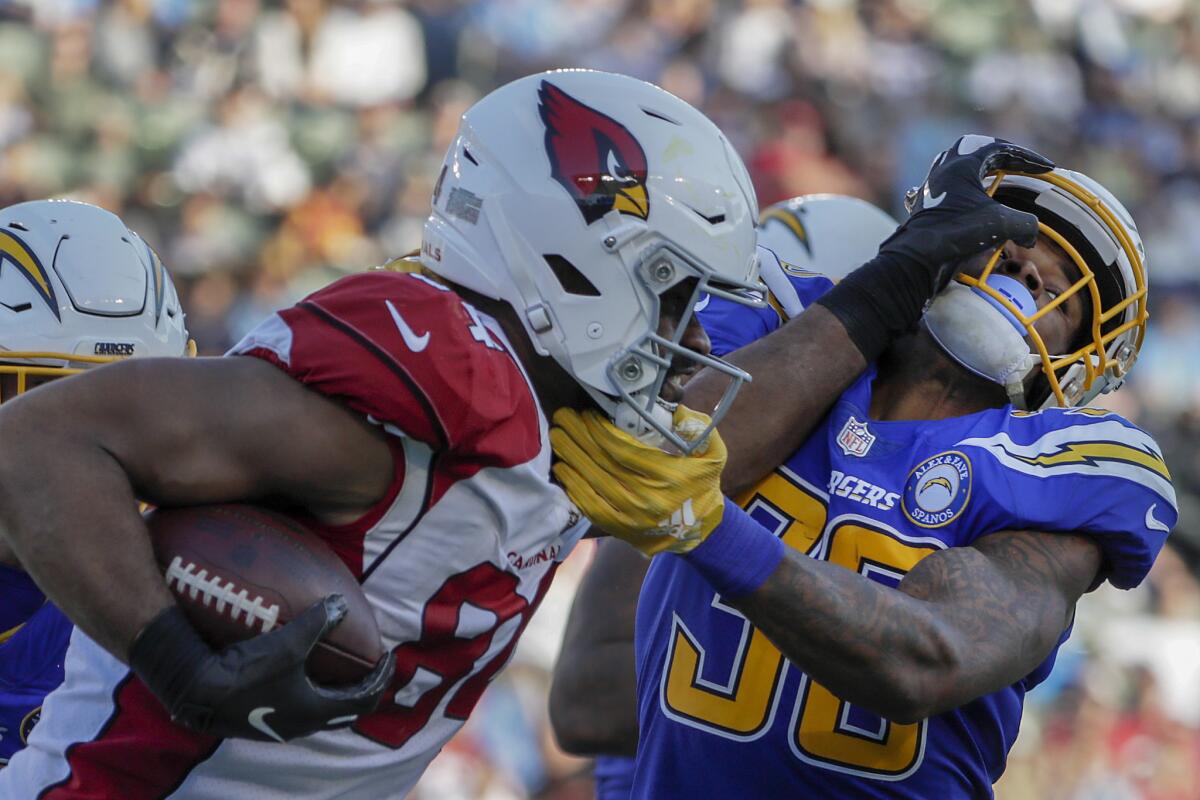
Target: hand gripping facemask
{"points": [[986, 323]]}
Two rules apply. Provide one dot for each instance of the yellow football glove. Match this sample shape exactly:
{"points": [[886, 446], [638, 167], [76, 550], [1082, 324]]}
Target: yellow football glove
{"points": [[656, 501]]}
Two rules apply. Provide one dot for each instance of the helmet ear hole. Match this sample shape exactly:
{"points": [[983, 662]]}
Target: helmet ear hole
{"points": [[572, 280]]}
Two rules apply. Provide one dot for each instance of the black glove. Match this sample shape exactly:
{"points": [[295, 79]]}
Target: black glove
{"points": [[256, 689], [952, 218]]}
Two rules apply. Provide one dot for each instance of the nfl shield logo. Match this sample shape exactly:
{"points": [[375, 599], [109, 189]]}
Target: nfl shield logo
{"points": [[855, 439]]}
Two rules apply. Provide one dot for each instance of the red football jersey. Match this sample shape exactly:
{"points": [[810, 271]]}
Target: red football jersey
{"points": [[454, 561]]}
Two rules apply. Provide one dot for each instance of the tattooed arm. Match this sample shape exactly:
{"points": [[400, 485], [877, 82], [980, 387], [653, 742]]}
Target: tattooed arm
{"points": [[822, 362], [964, 622]]}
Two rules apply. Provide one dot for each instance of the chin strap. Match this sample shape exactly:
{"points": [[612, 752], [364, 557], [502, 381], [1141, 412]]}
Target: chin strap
{"points": [[982, 336], [627, 419]]}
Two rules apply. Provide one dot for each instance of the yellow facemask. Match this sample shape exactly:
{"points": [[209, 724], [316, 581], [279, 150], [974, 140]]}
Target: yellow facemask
{"points": [[1114, 331], [24, 365]]}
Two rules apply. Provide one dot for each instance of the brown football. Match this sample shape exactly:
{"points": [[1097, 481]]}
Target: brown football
{"points": [[239, 571]]}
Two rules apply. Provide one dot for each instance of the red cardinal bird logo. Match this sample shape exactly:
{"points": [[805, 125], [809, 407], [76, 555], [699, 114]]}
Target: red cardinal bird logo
{"points": [[593, 156]]}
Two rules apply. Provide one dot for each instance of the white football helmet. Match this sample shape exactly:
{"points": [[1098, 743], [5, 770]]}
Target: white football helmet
{"points": [[78, 288], [830, 234], [578, 198], [989, 327]]}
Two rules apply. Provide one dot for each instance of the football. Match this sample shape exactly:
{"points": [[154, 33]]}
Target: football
{"points": [[239, 571]]}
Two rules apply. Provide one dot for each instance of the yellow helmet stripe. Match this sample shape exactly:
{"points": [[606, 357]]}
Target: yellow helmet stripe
{"points": [[13, 249], [791, 222]]}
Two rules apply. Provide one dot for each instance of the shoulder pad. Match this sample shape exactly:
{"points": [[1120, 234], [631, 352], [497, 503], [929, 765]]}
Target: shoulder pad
{"points": [[1061, 443], [1088, 473], [409, 353]]}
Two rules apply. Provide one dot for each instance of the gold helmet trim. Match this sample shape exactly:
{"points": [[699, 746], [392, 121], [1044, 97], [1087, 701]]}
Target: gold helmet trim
{"points": [[1094, 355], [24, 371]]}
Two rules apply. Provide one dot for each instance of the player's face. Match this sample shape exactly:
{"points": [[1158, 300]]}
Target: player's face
{"points": [[672, 305], [1046, 271]]}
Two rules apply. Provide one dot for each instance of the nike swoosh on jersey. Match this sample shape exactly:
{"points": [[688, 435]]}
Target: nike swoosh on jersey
{"points": [[414, 342], [257, 720], [1153, 523]]}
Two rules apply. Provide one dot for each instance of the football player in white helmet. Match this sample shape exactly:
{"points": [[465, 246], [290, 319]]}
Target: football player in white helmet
{"points": [[825, 233], [578, 219], [988, 322], [816, 234], [593, 702], [645, 219], [77, 289]]}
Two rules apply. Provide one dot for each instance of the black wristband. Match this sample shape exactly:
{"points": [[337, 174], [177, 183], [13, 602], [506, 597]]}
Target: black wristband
{"points": [[166, 655], [881, 300]]}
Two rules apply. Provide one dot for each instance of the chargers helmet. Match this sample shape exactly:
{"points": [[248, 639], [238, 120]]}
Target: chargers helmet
{"points": [[988, 326], [830, 234], [78, 288], [579, 198]]}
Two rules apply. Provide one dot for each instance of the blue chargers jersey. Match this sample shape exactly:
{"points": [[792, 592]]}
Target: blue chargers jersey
{"points": [[724, 715], [614, 777], [31, 666], [20, 598]]}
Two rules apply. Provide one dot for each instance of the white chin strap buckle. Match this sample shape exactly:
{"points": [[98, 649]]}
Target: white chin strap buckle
{"points": [[982, 335], [628, 420]]}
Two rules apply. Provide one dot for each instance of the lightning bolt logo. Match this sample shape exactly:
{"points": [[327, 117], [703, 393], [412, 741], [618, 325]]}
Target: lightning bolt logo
{"points": [[1090, 412], [13, 250], [1103, 448], [1095, 452], [943, 482], [792, 223]]}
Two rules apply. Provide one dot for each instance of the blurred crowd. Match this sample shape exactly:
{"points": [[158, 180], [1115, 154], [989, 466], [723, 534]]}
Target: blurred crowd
{"points": [[266, 147]]}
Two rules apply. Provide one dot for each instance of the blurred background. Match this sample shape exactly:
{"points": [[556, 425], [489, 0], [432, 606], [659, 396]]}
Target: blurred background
{"points": [[265, 148]]}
